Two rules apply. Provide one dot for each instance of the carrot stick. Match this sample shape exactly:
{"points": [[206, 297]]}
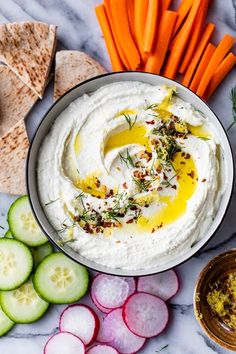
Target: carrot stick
{"points": [[198, 26], [165, 4], [202, 66], [140, 12], [223, 69], [182, 11], [156, 60], [121, 24], [151, 25], [210, 27], [130, 6], [181, 42], [120, 50], [221, 50], [108, 37]]}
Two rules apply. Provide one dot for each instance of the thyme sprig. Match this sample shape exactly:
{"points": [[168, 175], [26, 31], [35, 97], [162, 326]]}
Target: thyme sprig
{"points": [[130, 121], [127, 159], [233, 100]]}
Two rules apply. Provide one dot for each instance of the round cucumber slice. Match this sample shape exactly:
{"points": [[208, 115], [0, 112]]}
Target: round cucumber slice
{"points": [[60, 280], [8, 234], [23, 305], [16, 263], [5, 323], [39, 253], [23, 225]]}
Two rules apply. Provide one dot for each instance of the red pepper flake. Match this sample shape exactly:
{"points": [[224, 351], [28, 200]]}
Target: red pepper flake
{"points": [[130, 221], [204, 180], [187, 157], [159, 189], [117, 241], [182, 163], [125, 185], [150, 122], [191, 174], [174, 186]]}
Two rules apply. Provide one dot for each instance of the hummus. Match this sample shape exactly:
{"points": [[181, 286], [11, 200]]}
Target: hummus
{"points": [[129, 176]]}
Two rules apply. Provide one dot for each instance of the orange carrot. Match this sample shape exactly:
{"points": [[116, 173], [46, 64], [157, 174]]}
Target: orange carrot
{"points": [[210, 27], [156, 60], [221, 50], [202, 66], [140, 13], [181, 42], [165, 4], [121, 23], [108, 37], [197, 30], [120, 50], [130, 6], [223, 69], [182, 11], [151, 25]]}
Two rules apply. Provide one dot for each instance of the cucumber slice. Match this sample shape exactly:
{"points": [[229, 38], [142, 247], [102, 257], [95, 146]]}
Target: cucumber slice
{"points": [[60, 280], [23, 305], [39, 253], [23, 225], [5, 323], [16, 263], [8, 234]]}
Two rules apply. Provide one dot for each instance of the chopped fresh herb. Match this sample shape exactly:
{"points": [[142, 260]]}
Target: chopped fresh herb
{"points": [[2, 227], [151, 106], [127, 159], [65, 227], [78, 171], [167, 182], [143, 185], [199, 111], [203, 138], [64, 242], [52, 201], [159, 350], [130, 121], [233, 100]]}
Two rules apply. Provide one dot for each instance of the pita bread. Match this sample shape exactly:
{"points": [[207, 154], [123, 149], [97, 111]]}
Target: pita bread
{"points": [[16, 100], [13, 151], [28, 49], [73, 67]]}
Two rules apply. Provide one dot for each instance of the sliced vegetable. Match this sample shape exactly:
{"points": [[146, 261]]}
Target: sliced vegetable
{"points": [[140, 13], [110, 291], [23, 305], [145, 315], [151, 26], [16, 263], [39, 253], [121, 23], [102, 349], [130, 6], [80, 320], [202, 66], [195, 37], [197, 56], [183, 10], [60, 280], [165, 4], [223, 69], [5, 323], [156, 60], [115, 331], [23, 225], [164, 285], [64, 343], [96, 303], [116, 62], [8, 234], [180, 43], [221, 50]]}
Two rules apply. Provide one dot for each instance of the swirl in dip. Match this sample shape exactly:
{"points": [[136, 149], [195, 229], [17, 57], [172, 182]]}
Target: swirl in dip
{"points": [[129, 175]]}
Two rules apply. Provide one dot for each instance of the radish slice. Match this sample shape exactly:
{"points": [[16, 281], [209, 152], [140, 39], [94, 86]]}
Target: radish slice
{"points": [[96, 303], [111, 292], [64, 342], [81, 321], [164, 285], [115, 332], [145, 315], [102, 349]]}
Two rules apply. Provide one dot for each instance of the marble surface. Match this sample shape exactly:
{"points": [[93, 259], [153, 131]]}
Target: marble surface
{"points": [[78, 29]]}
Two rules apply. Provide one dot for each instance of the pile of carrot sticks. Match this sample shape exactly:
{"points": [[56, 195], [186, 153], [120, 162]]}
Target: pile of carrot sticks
{"points": [[145, 35]]}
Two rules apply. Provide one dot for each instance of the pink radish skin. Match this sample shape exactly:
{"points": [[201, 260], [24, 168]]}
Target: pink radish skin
{"points": [[115, 332], [164, 285], [145, 315], [81, 321], [96, 303], [102, 349], [64, 342], [110, 291]]}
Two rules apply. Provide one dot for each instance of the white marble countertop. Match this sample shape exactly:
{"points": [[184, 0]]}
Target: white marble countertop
{"points": [[78, 29]]}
